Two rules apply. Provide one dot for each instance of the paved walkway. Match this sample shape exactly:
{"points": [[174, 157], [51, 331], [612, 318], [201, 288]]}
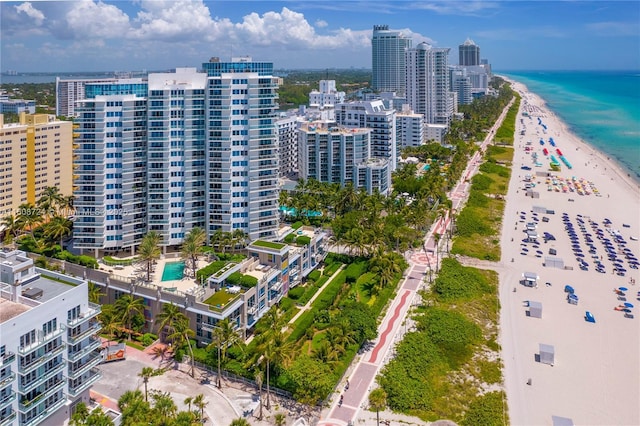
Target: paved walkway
{"points": [[355, 394]]}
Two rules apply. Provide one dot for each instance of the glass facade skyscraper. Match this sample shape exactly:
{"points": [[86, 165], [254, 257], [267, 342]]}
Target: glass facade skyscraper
{"points": [[469, 53]]}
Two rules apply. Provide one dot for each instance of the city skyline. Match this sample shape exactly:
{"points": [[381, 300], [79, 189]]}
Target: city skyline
{"points": [[155, 35]]}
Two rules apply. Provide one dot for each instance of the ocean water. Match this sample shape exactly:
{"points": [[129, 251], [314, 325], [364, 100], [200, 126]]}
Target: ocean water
{"points": [[600, 107]]}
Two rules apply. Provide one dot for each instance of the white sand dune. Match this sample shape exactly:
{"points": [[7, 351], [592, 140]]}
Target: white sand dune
{"points": [[596, 376]]}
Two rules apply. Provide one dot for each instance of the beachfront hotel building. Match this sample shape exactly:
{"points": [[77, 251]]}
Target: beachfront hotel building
{"points": [[375, 116], [428, 86], [468, 53], [242, 147], [410, 129], [68, 91], [110, 164], [176, 151], [388, 49], [335, 154], [327, 96], [49, 348], [34, 155]]}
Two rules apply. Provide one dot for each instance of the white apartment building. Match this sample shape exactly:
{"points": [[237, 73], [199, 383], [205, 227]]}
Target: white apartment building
{"points": [[111, 167], [68, 92], [334, 154], [410, 128], [49, 348], [388, 59], [288, 145], [242, 147], [428, 88], [327, 96], [176, 154], [461, 86], [382, 122]]}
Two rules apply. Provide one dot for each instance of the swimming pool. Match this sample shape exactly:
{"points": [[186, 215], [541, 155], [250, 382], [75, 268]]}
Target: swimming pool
{"points": [[173, 271], [426, 167], [290, 211]]}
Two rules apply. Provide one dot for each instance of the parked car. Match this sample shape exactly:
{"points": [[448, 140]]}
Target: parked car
{"points": [[525, 168]]}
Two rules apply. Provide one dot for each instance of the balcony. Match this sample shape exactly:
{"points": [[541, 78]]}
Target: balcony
{"points": [[93, 329], [92, 312], [27, 405], [95, 359], [7, 358], [86, 382], [7, 379], [94, 343], [42, 379], [7, 400], [41, 360], [45, 413], [8, 420], [42, 340]]}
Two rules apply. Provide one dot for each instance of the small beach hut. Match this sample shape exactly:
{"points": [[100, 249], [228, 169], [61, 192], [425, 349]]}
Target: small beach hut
{"points": [[547, 354], [553, 262], [530, 279], [561, 421], [535, 309]]}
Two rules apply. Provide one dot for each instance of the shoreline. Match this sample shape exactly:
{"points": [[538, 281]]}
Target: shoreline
{"points": [[623, 171], [595, 377]]}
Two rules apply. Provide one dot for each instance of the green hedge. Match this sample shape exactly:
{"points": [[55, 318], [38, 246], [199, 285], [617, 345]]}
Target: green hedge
{"points": [[289, 238], [355, 270], [331, 268], [303, 240], [314, 275], [242, 280], [296, 292], [296, 225], [111, 261], [210, 269]]}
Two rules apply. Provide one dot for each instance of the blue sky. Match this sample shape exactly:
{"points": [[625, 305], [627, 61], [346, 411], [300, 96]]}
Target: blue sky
{"points": [[87, 35]]}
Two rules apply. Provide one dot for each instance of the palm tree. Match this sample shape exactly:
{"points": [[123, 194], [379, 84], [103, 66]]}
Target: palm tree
{"points": [[129, 398], [181, 335], [164, 406], [378, 401], [239, 422], [29, 216], [95, 292], [58, 228], [436, 238], [259, 378], [129, 307], [11, 225], [279, 419], [49, 199], [188, 400], [239, 239], [192, 247], [169, 317], [145, 374], [111, 321], [224, 336], [149, 251], [200, 403]]}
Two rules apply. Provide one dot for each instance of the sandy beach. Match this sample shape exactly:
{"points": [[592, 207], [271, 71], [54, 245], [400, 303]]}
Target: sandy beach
{"points": [[595, 376]]}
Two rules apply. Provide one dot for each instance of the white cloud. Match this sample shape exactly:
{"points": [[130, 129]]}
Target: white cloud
{"points": [[321, 23], [173, 20], [28, 9], [97, 20], [456, 7]]}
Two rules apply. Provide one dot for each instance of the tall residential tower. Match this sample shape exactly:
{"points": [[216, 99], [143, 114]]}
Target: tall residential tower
{"points": [[388, 59], [469, 53]]}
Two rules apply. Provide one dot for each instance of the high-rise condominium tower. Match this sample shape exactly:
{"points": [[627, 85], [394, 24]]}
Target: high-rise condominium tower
{"points": [[242, 145], [469, 53], [388, 59], [428, 85]]}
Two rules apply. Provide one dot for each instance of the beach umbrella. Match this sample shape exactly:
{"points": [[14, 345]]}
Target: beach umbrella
{"points": [[628, 305], [626, 310], [623, 289]]}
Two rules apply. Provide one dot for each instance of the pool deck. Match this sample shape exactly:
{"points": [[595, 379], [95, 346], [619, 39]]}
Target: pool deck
{"points": [[183, 285]]}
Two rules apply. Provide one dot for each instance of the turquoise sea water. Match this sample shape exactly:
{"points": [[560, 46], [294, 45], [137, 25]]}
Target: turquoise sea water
{"points": [[600, 107]]}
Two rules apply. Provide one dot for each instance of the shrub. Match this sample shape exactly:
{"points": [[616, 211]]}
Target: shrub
{"points": [[303, 240], [248, 281], [296, 225], [148, 338], [481, 182], [302, 324], [456, 282], [204, 273], [331, 269], [355, 270], [314, 275], [296, 292], [289, 238], [286, 303], [487, 410]]}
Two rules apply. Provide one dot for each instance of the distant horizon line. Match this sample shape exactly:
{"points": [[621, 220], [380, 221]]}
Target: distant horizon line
{"points": [[51, 73]]}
